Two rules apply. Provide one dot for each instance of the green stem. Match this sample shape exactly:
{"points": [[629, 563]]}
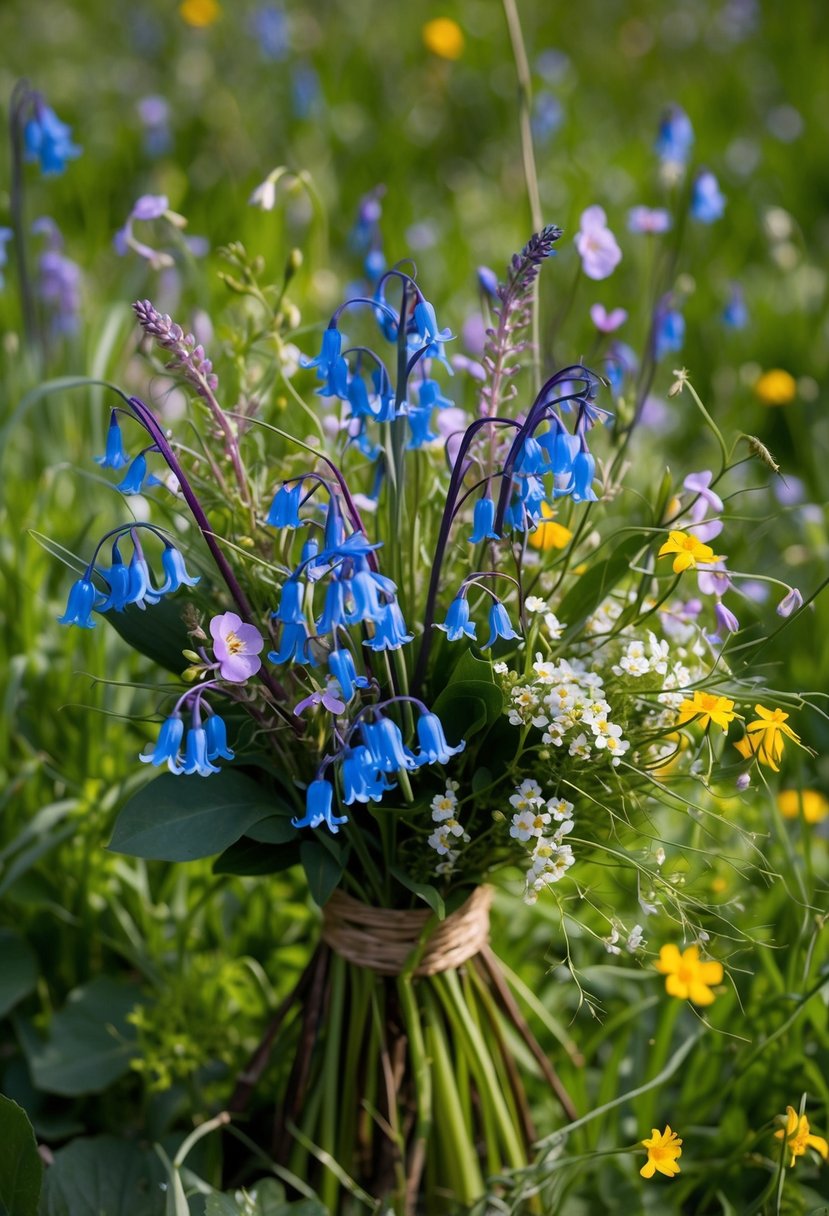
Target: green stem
{"points": [[421, 1070], [330, 1187], [452, 1129]]}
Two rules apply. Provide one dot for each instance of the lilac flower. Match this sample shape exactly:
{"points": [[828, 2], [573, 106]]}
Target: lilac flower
{"points": [[318, 808], [650, 220], [676, 136], [327, 698], [500, 626], [714, 580], [725, 618], [606, 322], [597, 246], [48, 140], [707, 500], [147, 207], [82, 599], [59, 279], [457, 623], [790, 603], [195, 753], [236, 647], [167, 747], [707, 201], [114, 456], [706, 530]]}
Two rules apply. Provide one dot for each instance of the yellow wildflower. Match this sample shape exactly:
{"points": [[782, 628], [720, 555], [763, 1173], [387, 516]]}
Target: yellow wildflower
{"points": [[444, 37], [663, 1150], [705, 708], [199, 13], [776, 387], [687, 976], [689, 551], [550, 535], [764, 737], [798, 1137], [815, 805]]}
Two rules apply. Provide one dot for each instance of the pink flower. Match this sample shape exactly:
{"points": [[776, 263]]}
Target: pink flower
{"points": [[649, 219], [599, 252], [605, 321], [236, 647]]}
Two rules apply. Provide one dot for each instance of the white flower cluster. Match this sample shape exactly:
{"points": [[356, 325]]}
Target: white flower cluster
{"points": [[635, 940], [532, 818], [449, 833], [567, 701]]}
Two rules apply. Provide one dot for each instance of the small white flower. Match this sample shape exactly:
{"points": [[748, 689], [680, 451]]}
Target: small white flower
{"points": [[527, 796], [660, 856], [264, 196], [500, 668], [636, 939], [564, 828], [580, 747], [534, 603], [440, 841], [610, 942], [560, 808], [529, 824], [553, 626]]}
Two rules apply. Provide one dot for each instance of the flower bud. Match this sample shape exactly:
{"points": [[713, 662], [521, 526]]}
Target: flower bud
{"points": [[790, 602]]}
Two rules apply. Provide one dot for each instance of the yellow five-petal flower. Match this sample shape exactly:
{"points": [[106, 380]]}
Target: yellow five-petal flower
{"points": [[663, 1150], [688, 977], [764, 737], [689, 551], [705, 708], [798, 1137]]}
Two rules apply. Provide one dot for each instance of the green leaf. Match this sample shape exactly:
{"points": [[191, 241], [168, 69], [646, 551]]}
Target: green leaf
{"points": [[481, 779], [103, 1177], [468, 667], [276, 829], [158, 632], [252, 857], [183, 818], [322, 869], [424, 890], [265, 1198], [21, 1170], [467, 706], [591, 587], [90, 1042], [18, 974]]}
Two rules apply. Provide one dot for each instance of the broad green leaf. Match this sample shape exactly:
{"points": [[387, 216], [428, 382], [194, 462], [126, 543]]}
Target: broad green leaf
{"points": [[90, 1041], [158, 632], [18, 970], [591, 587], [468, 667], [21, 1170], [424, 890], [183, 818], [265, 1198], [467, 706], [252, 857], [103, 1176], [276, 829], [322, 869]]}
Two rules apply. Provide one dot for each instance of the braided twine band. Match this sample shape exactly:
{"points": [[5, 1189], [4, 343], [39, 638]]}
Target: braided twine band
{"points": [[382, 939]]}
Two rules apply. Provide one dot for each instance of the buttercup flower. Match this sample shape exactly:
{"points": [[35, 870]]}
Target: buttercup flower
{"points": [[199, 13], [444, 38], [688, 977], [663, 1150], [597, 246], [815, 806], [236, 647], [705, 708], [764, 737], [798, 1137], [776, 387], [549, 534], [690, 552]]}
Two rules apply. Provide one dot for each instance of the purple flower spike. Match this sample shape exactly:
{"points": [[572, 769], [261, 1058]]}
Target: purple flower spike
{"points": [[236, 647]]}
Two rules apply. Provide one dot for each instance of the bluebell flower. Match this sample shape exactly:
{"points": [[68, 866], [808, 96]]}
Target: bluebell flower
{"points": [[365, 444], [419, 419], [269, 26], [341, 666], [432, 740], [334, 533], [195, 753], [118, 577], [735, 313], [533, 496], [561, 449], [6, 235], [358, 398], [483, 522], [333, 611], [82, 599], [133, 480], [216, 730], [331, 366], [48, 140], [293, 646], [488, 281], [374, 264], [319, 799], [531, 456], [305, 90], [384, 408], [290, 603], [284, 512], [426, 325], [309, 551], [668, 332], [385, 742], [500, 626], [175, 572], [514, 515], [428, 393], [548, 115], [584, 467], [676, 136], [707, 200], [141, 589], [362, 780], [364, 595], [167, 747], [457, 623], [114, 456], [389, 629]]}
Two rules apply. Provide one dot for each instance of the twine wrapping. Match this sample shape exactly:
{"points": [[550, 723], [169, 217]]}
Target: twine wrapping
{"points": [[382, 939]]}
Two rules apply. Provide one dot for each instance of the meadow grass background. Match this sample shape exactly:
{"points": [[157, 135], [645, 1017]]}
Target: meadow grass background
{"points": [[356, 100]]}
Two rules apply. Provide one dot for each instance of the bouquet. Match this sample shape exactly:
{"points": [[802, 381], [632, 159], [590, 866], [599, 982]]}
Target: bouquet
{"points": [[429, 649]]}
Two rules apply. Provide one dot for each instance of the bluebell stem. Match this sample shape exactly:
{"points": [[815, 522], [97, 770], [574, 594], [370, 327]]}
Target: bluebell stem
{"points": [[318, 808], [166, 750]]}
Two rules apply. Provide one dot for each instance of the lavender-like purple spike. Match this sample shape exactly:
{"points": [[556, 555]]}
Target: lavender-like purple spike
{"points": [[190, 360]]}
